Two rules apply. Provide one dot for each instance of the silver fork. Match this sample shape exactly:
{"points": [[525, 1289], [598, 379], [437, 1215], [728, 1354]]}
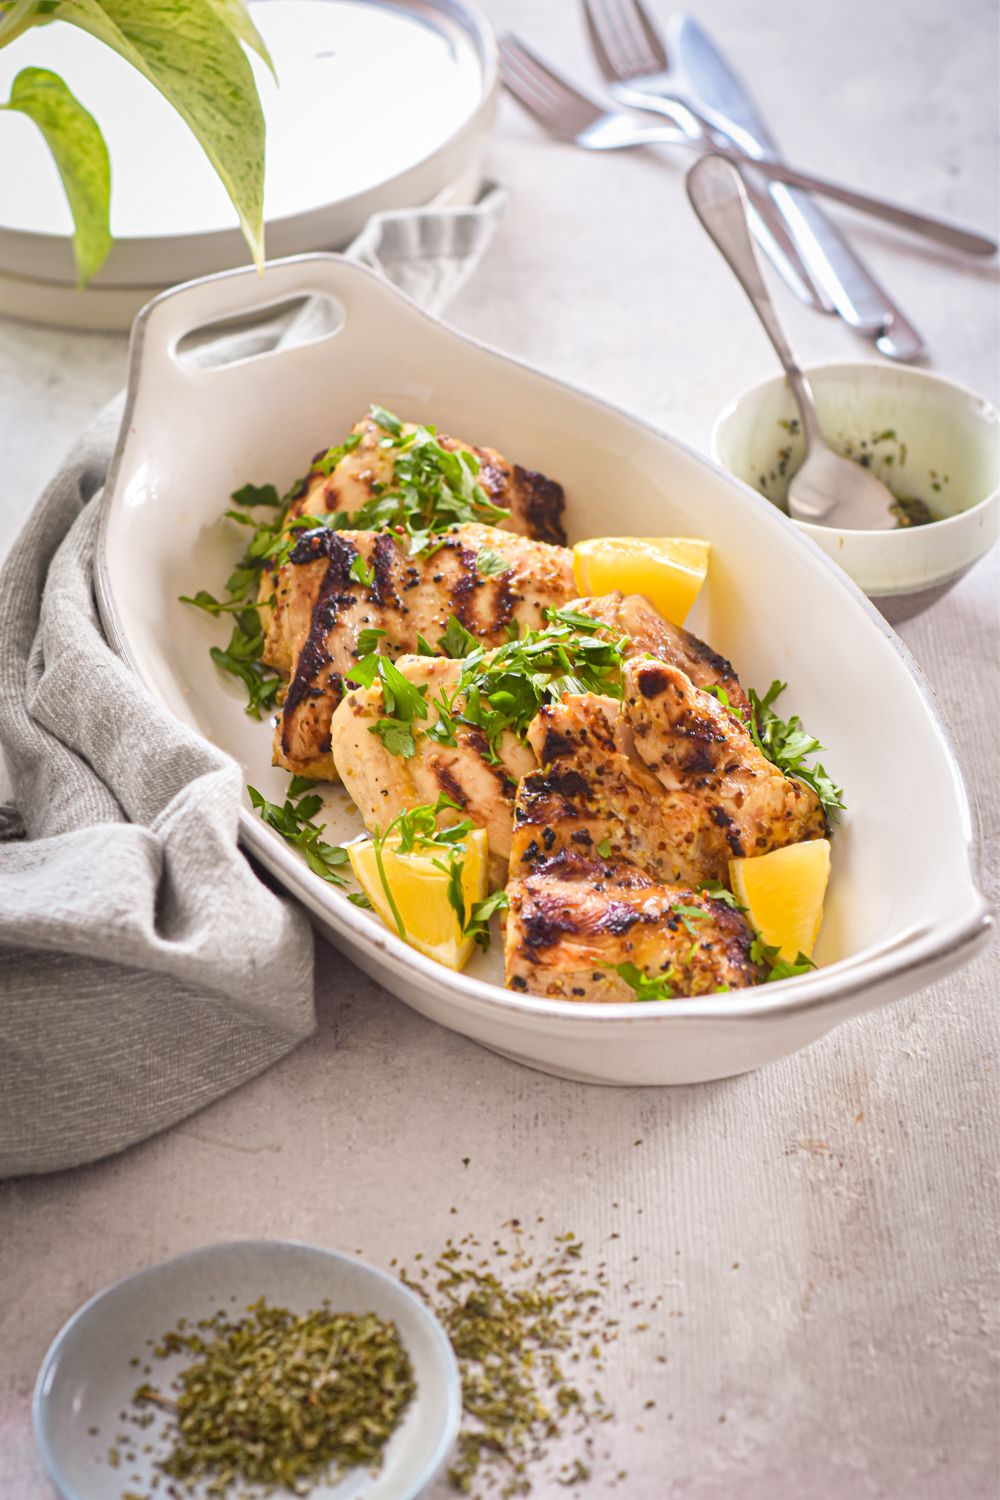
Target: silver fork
{"points": [[641, 73], [623, 50], [574, 116]]}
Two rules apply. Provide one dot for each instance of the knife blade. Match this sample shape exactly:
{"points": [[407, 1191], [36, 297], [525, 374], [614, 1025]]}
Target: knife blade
{"points": [[724, 100]]}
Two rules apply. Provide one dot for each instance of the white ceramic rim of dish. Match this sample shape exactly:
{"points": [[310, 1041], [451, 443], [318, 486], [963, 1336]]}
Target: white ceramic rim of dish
{"points": [[927, 947], [430, 1321], [835, 366]]}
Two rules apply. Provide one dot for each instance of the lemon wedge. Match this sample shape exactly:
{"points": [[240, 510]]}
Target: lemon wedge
{"points": [[668, 570], [419, 888], [783, 893]]}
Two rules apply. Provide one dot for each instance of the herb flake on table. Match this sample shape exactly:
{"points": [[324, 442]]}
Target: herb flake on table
{"points": [[528, 1325]]}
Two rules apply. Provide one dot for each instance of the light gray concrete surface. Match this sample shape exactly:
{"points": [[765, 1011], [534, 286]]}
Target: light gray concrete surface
{"points": [[823, 1234]]}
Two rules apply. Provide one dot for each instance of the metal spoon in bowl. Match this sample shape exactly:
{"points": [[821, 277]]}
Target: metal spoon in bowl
{"points": [[826, 489]]}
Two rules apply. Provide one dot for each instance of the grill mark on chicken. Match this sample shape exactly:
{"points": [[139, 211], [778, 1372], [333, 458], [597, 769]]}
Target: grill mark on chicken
{"points": [[572, 920], [318, 612], [333, 599], [671, 780]]}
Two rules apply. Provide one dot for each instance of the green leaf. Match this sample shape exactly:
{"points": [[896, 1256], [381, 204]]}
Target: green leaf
{"points": [[237, 18], [192, 55], [396, 736], [81, 156], [489, 563], [457, 642], [646, 986], [257, 494]]}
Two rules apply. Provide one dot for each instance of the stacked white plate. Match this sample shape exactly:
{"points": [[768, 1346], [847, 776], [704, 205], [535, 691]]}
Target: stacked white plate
{"points": [[379, 104]]}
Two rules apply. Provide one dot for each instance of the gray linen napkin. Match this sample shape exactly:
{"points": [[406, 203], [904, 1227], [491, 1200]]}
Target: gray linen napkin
{"points": [[145, 969]]}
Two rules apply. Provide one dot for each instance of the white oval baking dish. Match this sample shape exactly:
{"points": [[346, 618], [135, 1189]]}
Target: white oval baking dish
{"points": [[903, 908]]}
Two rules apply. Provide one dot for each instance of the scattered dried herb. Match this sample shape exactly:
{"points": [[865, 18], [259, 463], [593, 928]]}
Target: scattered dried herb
{"points": [[278, 1399], [530, 1337]]}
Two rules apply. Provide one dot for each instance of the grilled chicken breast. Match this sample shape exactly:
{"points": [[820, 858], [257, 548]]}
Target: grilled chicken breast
{"points": [[669, 781], [384, 785], [704, 752], [572, 922], [319, 605], [535, 503], [650, 634]]}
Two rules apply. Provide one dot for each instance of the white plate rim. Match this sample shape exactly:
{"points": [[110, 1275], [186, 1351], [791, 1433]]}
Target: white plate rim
{"points": [[432, 1324], [928, 948]]}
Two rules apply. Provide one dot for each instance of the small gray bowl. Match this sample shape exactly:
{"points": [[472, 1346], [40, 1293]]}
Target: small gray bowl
{"points": [[86, 1380]]}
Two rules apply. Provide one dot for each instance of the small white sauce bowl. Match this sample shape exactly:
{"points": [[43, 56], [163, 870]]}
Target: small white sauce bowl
{"points": [[946, 451]]}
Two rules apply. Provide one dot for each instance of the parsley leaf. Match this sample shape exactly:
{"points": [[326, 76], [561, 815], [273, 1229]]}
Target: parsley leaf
{"points": [[689, 914], [386, 421], [294, 821], [331, 458], [786, 744], [646, 987], [716, 891], [490, 563], [368, 640], [479, 920], [396, 736], [362, 572], [257, 494], [604, 848], [778, 968], [457, 642]]}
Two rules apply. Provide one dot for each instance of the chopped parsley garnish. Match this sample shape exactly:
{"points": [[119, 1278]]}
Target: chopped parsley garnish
{"points": [[362, 572], [457, 642], [417, 830], [716, 891], [269, 545], [689, 914], [402, 701], [784, 743], [778, 968], [331, 458], [295, 821], [432, 488], [604, 848], [646, 987], [490, 563], [504, 688], [258, 494], [368, 640]]}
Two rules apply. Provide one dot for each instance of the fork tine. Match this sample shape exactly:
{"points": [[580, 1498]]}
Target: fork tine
{"points": [[640, 47], [569, 110], [655, 43], [602, 56], [610, 51]]}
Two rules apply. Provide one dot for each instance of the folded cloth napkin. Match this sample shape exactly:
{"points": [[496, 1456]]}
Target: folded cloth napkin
{"points": [[145, 969]]}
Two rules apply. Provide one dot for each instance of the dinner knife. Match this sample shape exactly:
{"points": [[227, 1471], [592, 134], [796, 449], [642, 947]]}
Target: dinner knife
{"points": [[729, 108]]}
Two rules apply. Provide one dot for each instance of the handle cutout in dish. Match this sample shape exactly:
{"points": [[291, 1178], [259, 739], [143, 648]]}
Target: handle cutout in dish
{"points": [[290, 322]]}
